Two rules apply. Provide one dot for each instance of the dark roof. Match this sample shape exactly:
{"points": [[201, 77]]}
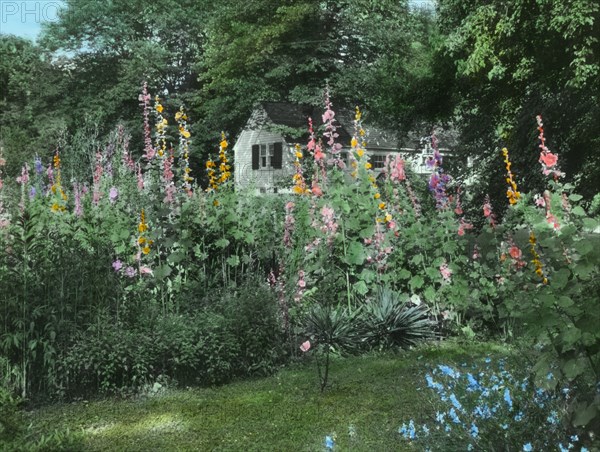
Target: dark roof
{"points": [[295, 116]]}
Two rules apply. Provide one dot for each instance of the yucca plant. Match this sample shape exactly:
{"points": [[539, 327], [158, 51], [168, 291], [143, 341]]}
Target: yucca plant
{"points": [[333, 329], [390, 319]]}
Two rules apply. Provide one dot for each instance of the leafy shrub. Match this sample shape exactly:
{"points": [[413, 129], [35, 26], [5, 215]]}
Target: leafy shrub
{"points": [[239, 336], [391, 320], [11, 422], [252, 314], [199, 349], [107, 358]]}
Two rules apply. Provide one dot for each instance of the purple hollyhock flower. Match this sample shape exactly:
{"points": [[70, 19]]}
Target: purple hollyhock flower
{"points": [[113, 194], [39, 169], [117, 265], [130, 272]]}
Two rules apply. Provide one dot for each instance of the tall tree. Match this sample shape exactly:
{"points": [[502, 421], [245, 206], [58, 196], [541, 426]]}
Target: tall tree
{"points": [[108, 48], [513, 60]]}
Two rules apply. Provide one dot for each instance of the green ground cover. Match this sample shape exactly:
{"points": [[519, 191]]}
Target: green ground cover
{"points": [[368, 398]]}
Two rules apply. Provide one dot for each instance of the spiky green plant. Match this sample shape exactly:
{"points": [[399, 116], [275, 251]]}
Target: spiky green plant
{"points": [[390, 319]]}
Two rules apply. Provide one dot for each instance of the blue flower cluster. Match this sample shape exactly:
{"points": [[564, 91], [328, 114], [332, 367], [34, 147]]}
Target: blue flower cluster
{"points": [[486, 404]]}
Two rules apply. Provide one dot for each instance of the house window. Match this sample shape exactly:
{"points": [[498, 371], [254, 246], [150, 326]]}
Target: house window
{"points": [[344, 157], [267, 156], [377, 161], [267, 151]]}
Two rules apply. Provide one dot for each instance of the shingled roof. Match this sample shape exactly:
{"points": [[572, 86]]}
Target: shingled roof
{"points": [[288, 116]]}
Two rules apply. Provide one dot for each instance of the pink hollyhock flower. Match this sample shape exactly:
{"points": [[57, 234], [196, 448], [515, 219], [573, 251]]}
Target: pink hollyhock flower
{"points": [[305, 346], [319, 154], [316, 190], [515, 252], [117, 265], [549, 159], [539, 201], [445, 271], [146, 271]]}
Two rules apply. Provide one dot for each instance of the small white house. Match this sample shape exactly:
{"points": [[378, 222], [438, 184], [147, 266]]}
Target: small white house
{"points": [[263, 152]]}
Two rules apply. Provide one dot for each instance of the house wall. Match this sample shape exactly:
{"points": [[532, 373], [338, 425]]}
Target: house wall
{"points": [[262, 178]]}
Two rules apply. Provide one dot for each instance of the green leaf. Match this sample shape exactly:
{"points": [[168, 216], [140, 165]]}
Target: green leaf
{"points": [[417, 259], [367, 275], [565, 302], [575, 197], [416, 282], [590, 223], [429, 294], [578, 210], [404, 274], [162, 271], [583, 247], [233, 261], [560, 278], [573, 368], [222, 243], [356, 254], [176, 257], [360, 287], [584, 413]]}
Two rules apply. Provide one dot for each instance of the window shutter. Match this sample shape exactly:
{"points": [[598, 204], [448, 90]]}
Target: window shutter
{"points": [[277, 160], [255, 156]]}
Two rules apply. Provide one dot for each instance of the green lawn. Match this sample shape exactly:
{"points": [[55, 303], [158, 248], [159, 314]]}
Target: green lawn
{"points": [[372, 395]]}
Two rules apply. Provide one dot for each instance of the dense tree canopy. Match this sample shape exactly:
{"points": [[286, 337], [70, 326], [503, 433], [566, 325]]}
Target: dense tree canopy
{"points": [[517, 59]]}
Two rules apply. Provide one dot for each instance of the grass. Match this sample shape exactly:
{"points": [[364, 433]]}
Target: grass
{"points": [[285, 412]]}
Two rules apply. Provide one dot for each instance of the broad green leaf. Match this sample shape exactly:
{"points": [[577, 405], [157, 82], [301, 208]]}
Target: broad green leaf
{"points": [[416, 282], [356, 254], [590, 223], [367, 276], [416, 259], [360, 287], [404, 274], [233, 261], [584, 414], [583, 247], [162, 271], [429, 294], [222, 243], [559, 279], [578, 210], [573, 368], [575, 197], [176, 257]]}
